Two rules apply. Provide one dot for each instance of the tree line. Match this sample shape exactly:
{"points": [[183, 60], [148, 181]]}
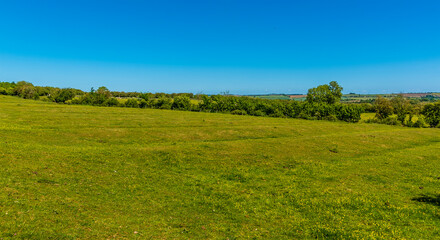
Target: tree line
{"points": [[322, 103]]}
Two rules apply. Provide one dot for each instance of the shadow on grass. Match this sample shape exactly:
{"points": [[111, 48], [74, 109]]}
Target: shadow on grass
{"points": [[430, 199]]}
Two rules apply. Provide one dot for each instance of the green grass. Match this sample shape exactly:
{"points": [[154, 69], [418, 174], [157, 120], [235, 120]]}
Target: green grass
{"points": [[80, 172]]}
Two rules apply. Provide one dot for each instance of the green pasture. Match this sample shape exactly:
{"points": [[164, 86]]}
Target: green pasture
{"points": [[83, 172]]}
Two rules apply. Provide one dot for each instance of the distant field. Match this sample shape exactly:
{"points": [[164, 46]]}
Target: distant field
{"points": [[351, 97], [273, 96], [82, 172]]}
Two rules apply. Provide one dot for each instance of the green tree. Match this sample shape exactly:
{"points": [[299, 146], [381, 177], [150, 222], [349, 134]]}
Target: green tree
{"points": [[402, 107], [26, 90], [64, 95], [104, 92], [431, 112], [383, 107], [328, 93]]}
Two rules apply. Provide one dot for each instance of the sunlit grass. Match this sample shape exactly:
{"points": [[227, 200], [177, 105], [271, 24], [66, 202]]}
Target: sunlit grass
{"points": [[81, 172]]}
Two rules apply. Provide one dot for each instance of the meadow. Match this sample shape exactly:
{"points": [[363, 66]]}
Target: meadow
{"points": [[85, 172]]}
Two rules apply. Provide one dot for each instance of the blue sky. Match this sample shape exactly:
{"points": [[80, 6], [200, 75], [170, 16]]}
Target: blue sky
{"points": [[208, 46]]}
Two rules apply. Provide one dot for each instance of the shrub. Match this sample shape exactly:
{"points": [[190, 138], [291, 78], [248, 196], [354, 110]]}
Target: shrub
{"points": [[133, 103], [431, 112], [383, 107], [63, 95], [181, 103], [258, 113], [163, 103], [277, 113], [143, 103], [401, 106], [420, 123], [3, 91], [239, 112], [331, 117], [111, 102], [368, 107], [349, 113], [408, 123], [392, 120], [26, 90]]}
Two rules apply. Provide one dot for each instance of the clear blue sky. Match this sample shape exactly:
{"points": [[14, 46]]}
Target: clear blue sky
{"points": [[213, 46]]}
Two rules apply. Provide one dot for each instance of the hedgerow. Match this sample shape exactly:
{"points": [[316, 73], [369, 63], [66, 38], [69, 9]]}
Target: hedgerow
{"points": [[323, 103]]}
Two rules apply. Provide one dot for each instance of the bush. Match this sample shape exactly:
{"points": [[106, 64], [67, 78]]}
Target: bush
{"points": [[401, 106], [239, 112], [132, 103], [420, 123], [431, 112], [408, 123], [163, 103], [392, 120], [277, 113], [349, 113], [368, 107], [383, 107], [63, 95], [258, 113], [143, 103], [26, 90], [111, 102], [331, 118], [181, 103], [3, 91]]}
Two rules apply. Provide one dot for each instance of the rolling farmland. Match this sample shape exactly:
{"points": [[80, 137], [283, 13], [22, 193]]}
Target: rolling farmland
{"points": [[83, 172]]}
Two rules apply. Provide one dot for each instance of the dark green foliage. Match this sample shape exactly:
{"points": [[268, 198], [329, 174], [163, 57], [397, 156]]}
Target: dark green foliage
{"points": [[163, 103], [146, 96], [143, 103], [420, 123], [126, 94], [26, 90], [63, 95], [368, 107], [103, 91], [349, 113], [331, 118], [133, 103], [402, 107], [431, 111], [111, 102], [391, 120], [181, 103], [383, 107], [328, 93], [258, 113], [239, 112], [45, 91], [96, 98]]}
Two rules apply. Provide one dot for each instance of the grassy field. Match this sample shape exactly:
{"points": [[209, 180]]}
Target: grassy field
{"points": [[81, 172]]}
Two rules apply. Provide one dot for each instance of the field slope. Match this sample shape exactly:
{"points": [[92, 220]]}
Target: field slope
{"points": [[81, 172]]}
